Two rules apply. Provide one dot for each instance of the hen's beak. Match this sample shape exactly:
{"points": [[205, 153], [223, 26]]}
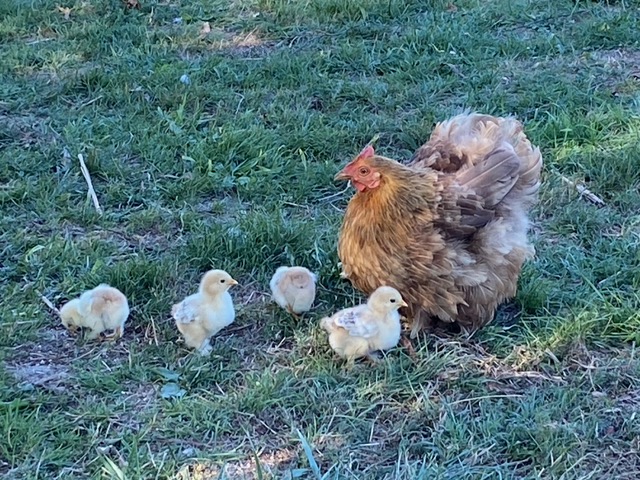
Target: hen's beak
{"points": [[342, 175], [233, 282]]}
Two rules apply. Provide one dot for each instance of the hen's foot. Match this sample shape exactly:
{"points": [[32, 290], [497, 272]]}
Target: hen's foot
{"points": [[411, 351]]}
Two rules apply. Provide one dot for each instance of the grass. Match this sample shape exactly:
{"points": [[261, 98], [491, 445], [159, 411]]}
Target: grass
{"points": [[233, 169]]}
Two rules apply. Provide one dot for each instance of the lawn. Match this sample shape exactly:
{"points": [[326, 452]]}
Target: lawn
{"points": [[212, 131]]}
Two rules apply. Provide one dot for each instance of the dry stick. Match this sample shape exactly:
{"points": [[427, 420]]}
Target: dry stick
{"points": [[155, 332], [375, 138], [585, 192], [48, 303], [87, 177], [334, 195]]}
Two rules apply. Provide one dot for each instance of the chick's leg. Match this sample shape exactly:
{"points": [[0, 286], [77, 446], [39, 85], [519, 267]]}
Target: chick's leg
{"points": [[373, 357], [351, 363], [355, 348], [118, 332], [206, 348], [73, 329]]}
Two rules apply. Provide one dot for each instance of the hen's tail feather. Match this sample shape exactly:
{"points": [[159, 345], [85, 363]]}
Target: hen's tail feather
{"points": [[528, 182], [467, 142], [494, 177]]}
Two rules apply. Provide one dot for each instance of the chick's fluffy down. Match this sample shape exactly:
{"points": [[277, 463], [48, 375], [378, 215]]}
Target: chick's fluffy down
{"points": [[293, 288], [202, 315], [358, 331], [100, 309]]}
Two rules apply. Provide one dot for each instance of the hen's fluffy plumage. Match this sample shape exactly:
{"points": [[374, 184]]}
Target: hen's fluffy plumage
{"points": [[449, 229], [201, 315], [102, 308], [358, 331], [293, 288]]}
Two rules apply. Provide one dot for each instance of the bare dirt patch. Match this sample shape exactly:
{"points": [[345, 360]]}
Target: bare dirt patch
{"points": [[618, 69], [240, 44], [48, 361], [275, 464], [23, 130]]}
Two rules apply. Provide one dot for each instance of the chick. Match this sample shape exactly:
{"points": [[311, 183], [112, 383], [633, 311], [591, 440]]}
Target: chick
{"points": [[294, 289], [100, 309], [359, 331], [201, 315]]}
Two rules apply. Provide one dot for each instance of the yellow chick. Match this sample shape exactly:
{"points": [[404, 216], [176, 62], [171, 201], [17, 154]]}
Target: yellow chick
{"points": [[100, 309], [294, 289], [201, 315], [359, 331]]}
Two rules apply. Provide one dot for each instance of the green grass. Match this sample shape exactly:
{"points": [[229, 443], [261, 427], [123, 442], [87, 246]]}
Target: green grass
{"points": [[234, 170]]}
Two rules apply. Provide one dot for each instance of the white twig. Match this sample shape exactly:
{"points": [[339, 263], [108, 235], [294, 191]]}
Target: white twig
{"points": [[66, 158], [48, 303], [334, 195], [87, 177], [585, 192]]}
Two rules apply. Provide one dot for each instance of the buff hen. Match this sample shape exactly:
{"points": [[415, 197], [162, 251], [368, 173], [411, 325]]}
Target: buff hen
{"points": [[448, 229]]}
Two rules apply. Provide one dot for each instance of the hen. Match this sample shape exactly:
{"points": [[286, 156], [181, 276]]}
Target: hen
{"points": [[449, 229]]}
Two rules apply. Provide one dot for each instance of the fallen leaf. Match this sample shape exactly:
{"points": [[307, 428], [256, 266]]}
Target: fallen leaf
{"points": [[172, 390], [168, 374], [206, 29], [66, 11], [452, 8]]}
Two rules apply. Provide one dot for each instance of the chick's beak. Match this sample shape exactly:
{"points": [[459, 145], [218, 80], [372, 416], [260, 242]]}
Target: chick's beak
{"points": [[233, 282], [403, 304]]}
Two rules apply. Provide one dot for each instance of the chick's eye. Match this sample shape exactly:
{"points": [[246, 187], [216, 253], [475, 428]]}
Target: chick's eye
{"points": [[364, 171], [222, 281], [393, 300]]}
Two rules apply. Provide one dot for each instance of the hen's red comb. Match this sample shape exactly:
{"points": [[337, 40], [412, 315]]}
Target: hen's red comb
{"points": [[366, 152]]}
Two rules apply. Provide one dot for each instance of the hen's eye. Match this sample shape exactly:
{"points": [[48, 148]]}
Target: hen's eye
{"points": [[364, 171], [393, 300]]}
